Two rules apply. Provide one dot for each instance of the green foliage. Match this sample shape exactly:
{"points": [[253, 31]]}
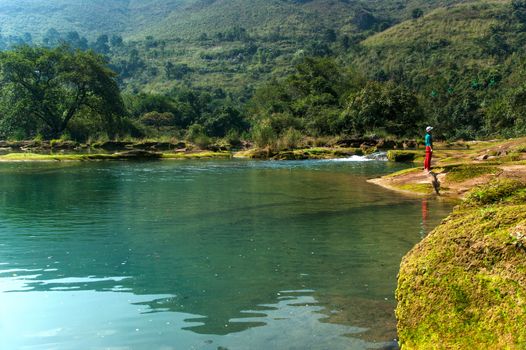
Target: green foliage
{"points": [[290, 139], [465, 61], [461, 66], [382, 106], [44, 89], [308, 100], [157, 119], [263, 134], [417, 13], [197, 134]]}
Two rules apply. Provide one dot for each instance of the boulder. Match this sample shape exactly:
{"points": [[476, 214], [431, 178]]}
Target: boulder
{"points": [[386, 144], [482, 157], [290, 155], [113, 145], [401, 156], [63, 145]]}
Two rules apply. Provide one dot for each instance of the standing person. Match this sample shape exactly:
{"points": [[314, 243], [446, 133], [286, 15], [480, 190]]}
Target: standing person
{"points": [[429, 149]]}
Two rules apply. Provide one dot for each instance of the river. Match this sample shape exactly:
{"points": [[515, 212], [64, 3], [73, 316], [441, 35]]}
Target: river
{"points": [[220, 254]]}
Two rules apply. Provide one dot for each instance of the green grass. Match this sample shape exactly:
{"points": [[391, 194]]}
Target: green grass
{"points": [[53, 157], [115, 156], [465, 172], [403, 172]]}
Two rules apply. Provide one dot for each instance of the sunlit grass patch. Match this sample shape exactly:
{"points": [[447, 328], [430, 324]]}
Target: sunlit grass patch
{"points": [[196, 155], [403, 172], [469, 171]]}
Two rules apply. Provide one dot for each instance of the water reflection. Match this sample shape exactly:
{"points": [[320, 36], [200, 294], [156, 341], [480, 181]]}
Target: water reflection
{"points": [[201, 255], [76, 318]]}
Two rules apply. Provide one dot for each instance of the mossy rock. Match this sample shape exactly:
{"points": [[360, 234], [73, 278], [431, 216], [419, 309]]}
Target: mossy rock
{"points": [[113, 145], [401, 156], [290, 155], [63, 145], [464, 285], [137, 154]]}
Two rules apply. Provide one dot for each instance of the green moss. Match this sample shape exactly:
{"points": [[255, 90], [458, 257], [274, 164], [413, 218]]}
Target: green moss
{"points": [[502, 190], [403, 172], [401, 156], [197, 155], [114, 156], [422, 188], [469, 171], [327, 153], [55, 157], [464, 285]]}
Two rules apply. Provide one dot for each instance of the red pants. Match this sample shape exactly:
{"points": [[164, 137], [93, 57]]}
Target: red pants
{"points": [[427, 161]]}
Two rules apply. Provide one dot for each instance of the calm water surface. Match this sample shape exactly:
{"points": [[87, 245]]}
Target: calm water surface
{"points": [[202, 255]]}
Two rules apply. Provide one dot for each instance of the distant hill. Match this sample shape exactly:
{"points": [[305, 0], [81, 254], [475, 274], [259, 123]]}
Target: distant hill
{"points": [[188, 18], [466, 38], [237, 44]]}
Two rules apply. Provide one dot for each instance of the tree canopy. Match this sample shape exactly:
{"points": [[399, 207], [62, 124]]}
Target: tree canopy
{"points": [[43, 89]]}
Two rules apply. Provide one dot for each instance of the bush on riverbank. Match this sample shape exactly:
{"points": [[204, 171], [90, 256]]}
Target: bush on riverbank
{"points": [[464, 286]]}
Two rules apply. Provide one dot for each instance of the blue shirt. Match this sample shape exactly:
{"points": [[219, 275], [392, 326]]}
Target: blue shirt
{"points": [[429, 140]]}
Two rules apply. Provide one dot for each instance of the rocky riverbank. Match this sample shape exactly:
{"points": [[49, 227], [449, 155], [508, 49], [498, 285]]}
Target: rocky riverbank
{"points": [[458, 169], [57, 150]]}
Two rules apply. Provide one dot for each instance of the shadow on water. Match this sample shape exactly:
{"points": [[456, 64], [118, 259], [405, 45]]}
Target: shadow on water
{"points": [[264, 253]]}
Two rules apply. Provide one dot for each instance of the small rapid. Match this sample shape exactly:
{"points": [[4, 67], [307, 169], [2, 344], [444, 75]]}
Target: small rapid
{"points": [[380, 156]]}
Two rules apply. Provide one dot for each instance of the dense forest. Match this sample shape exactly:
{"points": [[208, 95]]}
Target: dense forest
{"points": [[316, 69]]}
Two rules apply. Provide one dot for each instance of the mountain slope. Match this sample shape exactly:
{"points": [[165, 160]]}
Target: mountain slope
{"points": [[186, 18], [468, 38]]}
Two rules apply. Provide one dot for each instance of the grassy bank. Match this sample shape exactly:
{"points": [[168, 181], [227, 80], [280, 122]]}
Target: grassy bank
{"points": [[151, 150], [464, 285], [34, 157]]}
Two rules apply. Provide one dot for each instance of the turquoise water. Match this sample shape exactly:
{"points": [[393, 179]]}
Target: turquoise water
{"points": [[202, 254]]}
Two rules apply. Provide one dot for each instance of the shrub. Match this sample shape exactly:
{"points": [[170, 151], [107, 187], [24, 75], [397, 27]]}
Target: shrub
{"points": [[264, 135], [233, 138], [196, 134], [290, 139]]}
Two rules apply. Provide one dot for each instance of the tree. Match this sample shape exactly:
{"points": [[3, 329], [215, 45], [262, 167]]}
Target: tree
{"points": [[101, 45], [47, 88], [384, 106], [417, 13], [157, 119], [116, 41], [51, 37], [519, 9]]}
